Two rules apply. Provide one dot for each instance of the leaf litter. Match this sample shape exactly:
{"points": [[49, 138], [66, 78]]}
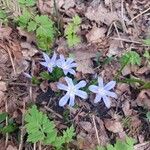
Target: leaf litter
{"points": [[109, 28]]}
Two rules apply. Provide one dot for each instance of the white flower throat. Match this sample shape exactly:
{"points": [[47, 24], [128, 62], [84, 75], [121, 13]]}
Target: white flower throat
{"points": [[72, 90]]}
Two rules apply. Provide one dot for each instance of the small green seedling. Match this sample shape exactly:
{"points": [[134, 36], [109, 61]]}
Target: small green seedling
{"points": [[3, 17], [128, 144], [54, 76], [27, 3], [11, 127], [146, 42], [147, 56], [43, 27], [41, 129], [71, 31], [131, 57]]}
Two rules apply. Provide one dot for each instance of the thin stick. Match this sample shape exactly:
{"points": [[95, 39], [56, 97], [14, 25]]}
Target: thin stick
{"points": [[6, 109], [139, 14], [98, 140], [11, 59], [118, 33], [22, 128], [126, 40], [34, 146]]}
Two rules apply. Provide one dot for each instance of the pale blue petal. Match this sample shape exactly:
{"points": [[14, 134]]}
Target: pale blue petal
{"points": [[110, 85], [50, 69], [111, 94], [71, 101], [71, 71], [73, 65], [97, 98], [69, 60], [62, 58], [44, 64], [69, 81], [106, 101], [53, 59], [82, 94], [62, 86], [63, 101], [65, 71], [27, 75], [81, 84], [46, 57], [100, 82], [93, 88], [59, 63]]}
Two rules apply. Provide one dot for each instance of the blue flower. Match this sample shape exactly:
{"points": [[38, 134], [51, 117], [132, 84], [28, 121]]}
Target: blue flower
{"points": [[49, 63], [72, 91], [103, 91], [66, 65]]}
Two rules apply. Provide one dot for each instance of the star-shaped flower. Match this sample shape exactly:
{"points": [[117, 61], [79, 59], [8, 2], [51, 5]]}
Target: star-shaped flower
{"points": [[50, 63], [67, 65], [103, 91], [72, 91]]}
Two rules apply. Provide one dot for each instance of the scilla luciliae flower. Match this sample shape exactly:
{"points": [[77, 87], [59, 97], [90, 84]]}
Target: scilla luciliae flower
{"points": [[66, 65], [103, 91], [71, 91], [49, 63]]}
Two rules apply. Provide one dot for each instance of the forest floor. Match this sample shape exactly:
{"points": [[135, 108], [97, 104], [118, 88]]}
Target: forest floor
{"points": [[108, 30]]}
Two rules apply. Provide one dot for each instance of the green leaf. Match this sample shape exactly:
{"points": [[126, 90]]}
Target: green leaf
{"points": [[110, 147], [147, 42], [24, 19], [68, 135], [39, 127], [71, 31], [147, 54], [148, 115], [3, 117], [45, 75], [27, 2], [76, 20], [8, 129], [31, 26], [131, 57]]}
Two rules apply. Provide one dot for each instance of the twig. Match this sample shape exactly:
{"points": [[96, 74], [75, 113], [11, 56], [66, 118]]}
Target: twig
{"points": [[6, 109], [126, 40], [118, 33], [52, 111], [139, 14], [34, 146], [98, 140], [22, 128], [11, 59]]}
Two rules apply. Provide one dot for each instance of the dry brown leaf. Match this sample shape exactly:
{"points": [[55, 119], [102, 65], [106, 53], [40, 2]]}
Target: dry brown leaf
{"points": [[113, 126], [84, 62], [96, 34], [28, 51], [142, 146], [101, 14], [4, 56], [5, 32], [68, 4], [114, 48], [19, 61], [10, 147], [30, 37], [3, 86], [143, 99], [48, 6], [126, 108], [87, 126]]}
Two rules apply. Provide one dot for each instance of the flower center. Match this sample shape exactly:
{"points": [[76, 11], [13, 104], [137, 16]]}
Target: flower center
{"points": [[65, 67], [72, 90], [101, 91], [50, 65]]}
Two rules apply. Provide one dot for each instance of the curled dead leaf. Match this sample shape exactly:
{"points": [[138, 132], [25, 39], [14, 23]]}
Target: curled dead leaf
{"points": [[96, 34], [113, 125], [5, 32], [87, 126], [84, 62]]}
